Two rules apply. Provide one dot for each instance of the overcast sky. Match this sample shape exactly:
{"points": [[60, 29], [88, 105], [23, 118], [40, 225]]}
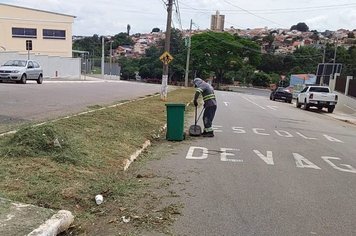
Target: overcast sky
{"points": [[105, 17]]}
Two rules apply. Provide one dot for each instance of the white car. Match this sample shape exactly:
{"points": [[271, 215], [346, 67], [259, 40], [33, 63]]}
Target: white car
{"points": [[317, 96], [21, 71]]}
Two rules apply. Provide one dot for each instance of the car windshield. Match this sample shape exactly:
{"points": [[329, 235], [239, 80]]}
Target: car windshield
{"points": [[281, 89], [21, 63], [319, 89]]}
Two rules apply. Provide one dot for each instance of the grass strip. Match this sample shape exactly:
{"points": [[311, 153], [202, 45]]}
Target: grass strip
{"points": [[64, 164]]}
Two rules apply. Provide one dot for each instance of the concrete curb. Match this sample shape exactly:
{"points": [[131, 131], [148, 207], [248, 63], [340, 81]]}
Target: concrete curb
{"points": [[58, 223], [343, 117], [134, 156]]}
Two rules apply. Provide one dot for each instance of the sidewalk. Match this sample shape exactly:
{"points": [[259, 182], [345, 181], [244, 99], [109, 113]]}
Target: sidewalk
{"points": [[349, 118], [23, 219]]}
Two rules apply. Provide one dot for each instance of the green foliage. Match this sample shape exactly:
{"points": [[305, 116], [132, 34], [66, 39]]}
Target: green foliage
{"points": [[274, 78], [42, 141], [301, 26], [128, 67], [218, 53], [261, 79]]}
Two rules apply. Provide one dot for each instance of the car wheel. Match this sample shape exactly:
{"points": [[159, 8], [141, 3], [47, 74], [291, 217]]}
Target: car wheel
{"points": [[23, 79], [289, 101], [320, 108], [297, 104], [273, 98], [331, 109], [40, 79], [270, 97], [306, 105]]}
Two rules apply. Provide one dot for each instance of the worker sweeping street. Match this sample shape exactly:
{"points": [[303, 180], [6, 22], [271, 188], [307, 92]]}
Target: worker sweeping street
{"points": [[210, 105]]}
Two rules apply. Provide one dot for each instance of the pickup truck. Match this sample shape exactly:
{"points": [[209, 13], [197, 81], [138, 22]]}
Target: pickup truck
{"points": [[317, 96]]}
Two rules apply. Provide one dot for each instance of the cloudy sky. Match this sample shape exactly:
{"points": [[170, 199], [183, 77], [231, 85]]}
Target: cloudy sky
{"points": [[105, 17]]}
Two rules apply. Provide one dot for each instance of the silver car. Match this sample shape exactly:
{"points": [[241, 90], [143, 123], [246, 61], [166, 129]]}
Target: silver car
{"points": [[21, 71]]}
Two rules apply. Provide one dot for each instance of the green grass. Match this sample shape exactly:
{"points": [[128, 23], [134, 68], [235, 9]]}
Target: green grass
{"points": [[64, 164]]}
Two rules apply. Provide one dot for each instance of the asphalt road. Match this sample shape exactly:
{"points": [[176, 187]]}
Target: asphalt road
{"points": [[32, 102], [271, 169]]}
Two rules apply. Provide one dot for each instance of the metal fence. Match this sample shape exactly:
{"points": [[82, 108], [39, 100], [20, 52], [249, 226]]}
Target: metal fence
{"points": [[352, 88], [340, 85]]}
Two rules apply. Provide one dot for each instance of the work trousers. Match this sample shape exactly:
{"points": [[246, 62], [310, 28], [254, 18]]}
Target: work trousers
{"points": [[208, 118]]}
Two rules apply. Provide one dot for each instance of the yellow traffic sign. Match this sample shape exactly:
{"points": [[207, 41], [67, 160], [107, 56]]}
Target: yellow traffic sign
{"points": [[166, 58]]}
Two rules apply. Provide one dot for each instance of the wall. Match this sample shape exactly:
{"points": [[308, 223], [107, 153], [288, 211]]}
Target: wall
{"points": [[63, 67], [12, 16]]}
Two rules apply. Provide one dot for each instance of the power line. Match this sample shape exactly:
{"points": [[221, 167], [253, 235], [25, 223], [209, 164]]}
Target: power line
{"points": [[277, 10], [178, 14], [252, 13]]}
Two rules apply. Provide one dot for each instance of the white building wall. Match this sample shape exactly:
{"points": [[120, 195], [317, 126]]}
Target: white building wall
{"points": [[63, 67]]}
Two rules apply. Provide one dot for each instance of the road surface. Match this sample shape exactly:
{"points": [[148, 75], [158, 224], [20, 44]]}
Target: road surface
{"points": [[271, 169]]}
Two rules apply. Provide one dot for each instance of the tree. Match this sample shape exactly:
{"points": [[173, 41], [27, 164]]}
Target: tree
{"points": [[300, 27], [128, 29], [351, 35], [261, 79], [216, 54]]}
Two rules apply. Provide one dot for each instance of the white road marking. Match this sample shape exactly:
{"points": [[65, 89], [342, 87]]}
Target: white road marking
{"points": [[268, 158], [254, 103], [224, 154], [217, 129], [191, 150], [226, 103], [303, 136], [332, 139], [349, 107], [256, 131], [302, 162], [238, 130], [349, 168], [283, 133], [273, 107]]}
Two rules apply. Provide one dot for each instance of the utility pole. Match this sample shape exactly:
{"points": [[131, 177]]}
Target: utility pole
{"points": [[188, 55], [167, 44], [102, 57], [333, 70], [110, 58], [322, 75]]}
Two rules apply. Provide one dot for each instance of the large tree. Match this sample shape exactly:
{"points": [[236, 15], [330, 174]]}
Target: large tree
{"points": [[218, 53], [301, 26]]}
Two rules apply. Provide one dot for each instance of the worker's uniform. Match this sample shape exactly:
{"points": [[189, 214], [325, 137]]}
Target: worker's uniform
{"points": [[210, 105]]}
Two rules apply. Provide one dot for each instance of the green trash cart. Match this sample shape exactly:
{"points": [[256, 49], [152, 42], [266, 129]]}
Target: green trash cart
{"points": [[175, 121]]}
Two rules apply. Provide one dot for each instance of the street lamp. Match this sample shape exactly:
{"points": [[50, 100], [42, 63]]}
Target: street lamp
{"points": [[111, 41]]}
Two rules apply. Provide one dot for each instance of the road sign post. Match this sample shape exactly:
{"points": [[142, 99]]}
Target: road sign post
{"points": [[28, 48]]}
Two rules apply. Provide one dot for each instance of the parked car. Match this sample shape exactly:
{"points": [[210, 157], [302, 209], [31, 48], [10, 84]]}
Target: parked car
{"points": [[281, 94], [317, 96], [21, 71]]}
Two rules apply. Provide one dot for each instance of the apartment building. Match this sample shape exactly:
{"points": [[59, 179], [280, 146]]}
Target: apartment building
{"points": [[217, 22], [50, 33]]}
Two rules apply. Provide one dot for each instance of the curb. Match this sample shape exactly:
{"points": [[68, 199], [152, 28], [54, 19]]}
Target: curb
{"points": [[344, 118], [58, 223]]}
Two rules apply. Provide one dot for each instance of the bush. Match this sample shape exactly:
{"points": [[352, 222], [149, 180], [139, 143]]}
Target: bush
{"points": [[261, 79]]}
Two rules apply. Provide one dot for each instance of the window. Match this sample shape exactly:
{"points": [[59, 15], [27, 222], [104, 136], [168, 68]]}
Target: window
{"points": [[54, 34], [319, 89], [304, 90], [24, 32], [30, 65], [36, 64]]}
